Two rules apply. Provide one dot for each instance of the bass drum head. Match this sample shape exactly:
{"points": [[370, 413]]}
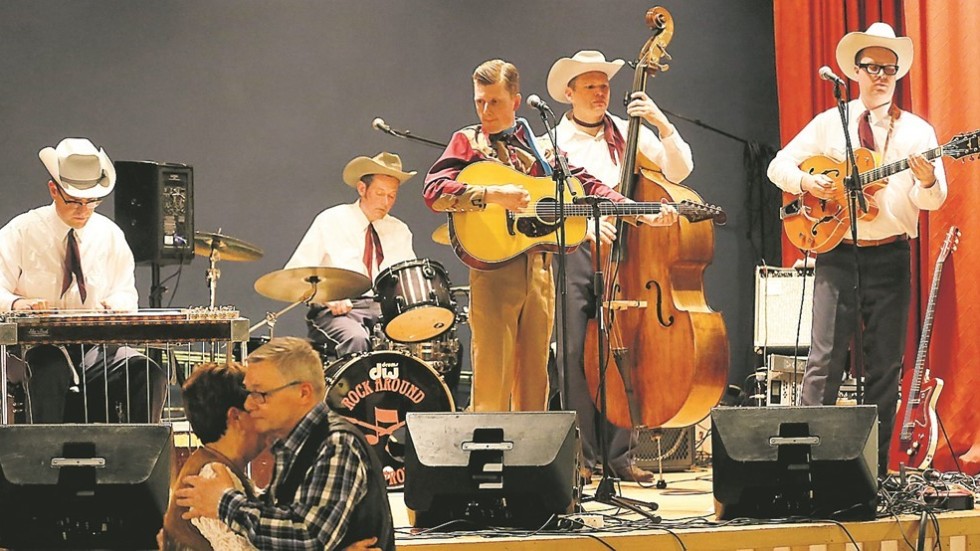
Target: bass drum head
{"points": [[375, 390]]}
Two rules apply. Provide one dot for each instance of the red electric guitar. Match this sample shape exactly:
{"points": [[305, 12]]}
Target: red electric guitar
{"points": [[920, 431]]}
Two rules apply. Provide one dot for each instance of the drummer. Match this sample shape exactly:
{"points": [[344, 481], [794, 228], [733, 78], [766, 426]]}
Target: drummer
{"points": [[362, 237]]}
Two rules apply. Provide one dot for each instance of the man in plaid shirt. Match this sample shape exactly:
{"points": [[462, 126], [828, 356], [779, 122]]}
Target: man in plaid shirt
{"points": [[327, 490]]}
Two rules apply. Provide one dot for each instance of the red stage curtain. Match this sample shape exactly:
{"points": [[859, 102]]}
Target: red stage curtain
{"points": [[806, 39], [944, 84], [806, 35]]}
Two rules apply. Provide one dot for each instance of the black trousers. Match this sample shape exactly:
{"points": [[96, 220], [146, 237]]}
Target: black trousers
{"points": [[89, 384], [885, 289], [581, 307]]}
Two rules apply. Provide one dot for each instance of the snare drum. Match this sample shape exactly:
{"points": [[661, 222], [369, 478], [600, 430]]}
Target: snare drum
{"points": [[375, 390], [416, 303]]}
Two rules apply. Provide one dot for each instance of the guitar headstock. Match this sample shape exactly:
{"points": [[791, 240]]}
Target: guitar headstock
{"points": [[962, 145], [697, 212], [950, 244]]}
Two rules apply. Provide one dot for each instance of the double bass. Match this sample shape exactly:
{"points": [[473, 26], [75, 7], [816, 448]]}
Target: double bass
{"points": [[671, 347]]}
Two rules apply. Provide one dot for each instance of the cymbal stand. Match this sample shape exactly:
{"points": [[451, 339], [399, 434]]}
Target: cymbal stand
{"points": [[272, 317], [213, 273]]}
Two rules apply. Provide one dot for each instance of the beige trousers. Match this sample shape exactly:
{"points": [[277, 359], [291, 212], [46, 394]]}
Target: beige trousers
{"points": [[511, 316]]}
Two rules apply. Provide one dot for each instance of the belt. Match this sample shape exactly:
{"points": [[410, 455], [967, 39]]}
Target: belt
{"points": [[876, 242]]}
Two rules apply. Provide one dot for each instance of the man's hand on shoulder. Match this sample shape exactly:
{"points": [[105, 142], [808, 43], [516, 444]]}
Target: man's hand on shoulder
{"points": [[202, 495], [364, 545]]}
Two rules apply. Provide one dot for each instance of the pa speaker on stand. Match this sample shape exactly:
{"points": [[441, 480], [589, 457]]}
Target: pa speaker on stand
{"points": [[155, 208]]}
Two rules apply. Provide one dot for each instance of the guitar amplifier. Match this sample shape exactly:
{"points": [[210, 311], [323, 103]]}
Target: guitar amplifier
{"points": [[778, 296]]}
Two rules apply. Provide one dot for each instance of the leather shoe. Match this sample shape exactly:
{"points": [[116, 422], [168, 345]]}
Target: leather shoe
{"points": [[632, 473], [585, 475]]}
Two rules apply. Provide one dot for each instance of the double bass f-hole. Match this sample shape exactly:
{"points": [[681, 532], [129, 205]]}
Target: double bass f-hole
{"points": [[653, 284]]}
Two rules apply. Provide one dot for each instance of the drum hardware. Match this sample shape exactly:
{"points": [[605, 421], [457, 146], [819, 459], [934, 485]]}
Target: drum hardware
{"points": [[316, 284], [215, 247]]}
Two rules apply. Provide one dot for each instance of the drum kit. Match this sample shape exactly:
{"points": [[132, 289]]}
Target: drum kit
{"points": [[415, 358]]}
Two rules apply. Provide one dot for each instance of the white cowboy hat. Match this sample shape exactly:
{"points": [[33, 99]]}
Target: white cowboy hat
{"points": [[79, 168], [567, 68], [878, 34], [382, 163]]}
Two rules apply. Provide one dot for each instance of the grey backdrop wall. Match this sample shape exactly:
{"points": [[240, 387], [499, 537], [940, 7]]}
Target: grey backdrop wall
{"points": [[269, 100]]}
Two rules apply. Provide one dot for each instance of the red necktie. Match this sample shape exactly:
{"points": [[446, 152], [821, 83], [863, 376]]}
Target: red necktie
{"points": [[865, 135], [373, 253], [73, 267]]}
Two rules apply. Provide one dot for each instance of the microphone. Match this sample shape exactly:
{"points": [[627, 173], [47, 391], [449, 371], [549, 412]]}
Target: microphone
{"points": [[827, 73], [379, 124], [537, 103]]}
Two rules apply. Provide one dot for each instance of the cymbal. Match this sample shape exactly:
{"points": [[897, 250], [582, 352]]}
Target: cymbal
{"points": [[228, 247], [296, 284], [441, 235]]}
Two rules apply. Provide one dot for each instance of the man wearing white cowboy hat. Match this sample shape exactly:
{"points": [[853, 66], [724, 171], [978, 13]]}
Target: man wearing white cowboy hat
{"points": [[67, 256], [593, 138], [511, 306], [876, 59], [361, 237]]}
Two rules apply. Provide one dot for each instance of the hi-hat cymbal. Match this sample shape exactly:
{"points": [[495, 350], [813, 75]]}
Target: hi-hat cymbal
{"points": [[228, 247], [441, 235], [298, 284]]}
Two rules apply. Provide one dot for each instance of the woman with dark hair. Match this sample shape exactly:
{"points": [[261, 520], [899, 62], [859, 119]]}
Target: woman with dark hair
{"points": [[214, 400]]}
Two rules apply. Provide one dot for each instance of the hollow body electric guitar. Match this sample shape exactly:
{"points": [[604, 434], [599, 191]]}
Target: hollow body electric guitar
{"points": [[819, 225], [919, 434], [487, 239]]}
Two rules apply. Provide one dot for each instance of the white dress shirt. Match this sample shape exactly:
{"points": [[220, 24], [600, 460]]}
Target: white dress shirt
{"points": [[336, 239], [901, 200], [32, 259], [673, 155]]}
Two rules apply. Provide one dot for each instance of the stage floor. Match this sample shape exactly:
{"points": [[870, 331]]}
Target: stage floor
{"points": [[687, 508]]}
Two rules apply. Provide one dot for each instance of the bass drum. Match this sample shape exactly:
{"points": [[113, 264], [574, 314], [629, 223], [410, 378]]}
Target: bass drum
{"points": [[375, 390]]}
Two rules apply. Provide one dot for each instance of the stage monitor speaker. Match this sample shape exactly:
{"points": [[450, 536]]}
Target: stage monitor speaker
{"points": [[83, 486], [492, 469], [815, 462], [155, 209]]}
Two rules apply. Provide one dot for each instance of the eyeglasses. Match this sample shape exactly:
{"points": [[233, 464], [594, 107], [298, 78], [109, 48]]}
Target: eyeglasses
{"points": [[874, 69], [90, 203], [259, 397]]}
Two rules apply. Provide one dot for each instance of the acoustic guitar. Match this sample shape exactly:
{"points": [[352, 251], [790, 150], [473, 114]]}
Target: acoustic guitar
{"points": [[487, 239], [819, 225], [920, 432]]}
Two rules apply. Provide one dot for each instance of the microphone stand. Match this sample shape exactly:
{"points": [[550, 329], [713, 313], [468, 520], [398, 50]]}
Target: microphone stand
{"points": [[855, 201], [560, 174], [407, 135], [605, 491]]}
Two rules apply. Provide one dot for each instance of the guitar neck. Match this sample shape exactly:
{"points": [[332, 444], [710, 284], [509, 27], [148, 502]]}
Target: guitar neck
{"points": [[619, 209], [920, 356], [885, 171]]}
